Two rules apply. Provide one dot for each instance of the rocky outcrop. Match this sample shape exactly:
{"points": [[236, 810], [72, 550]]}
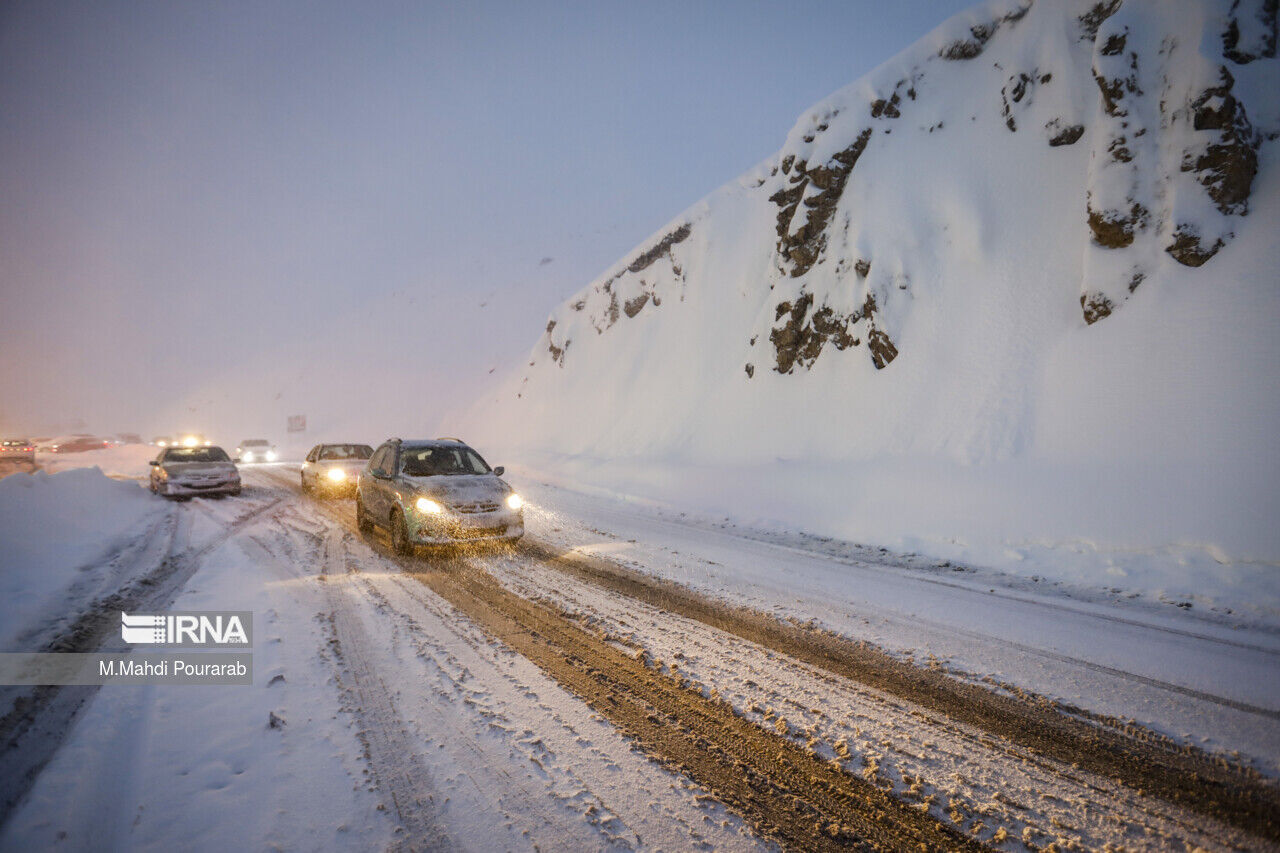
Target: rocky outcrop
{"points": [[649, 256], [1251, 31], [799, 340], [979, 34], [1187, 248], [1093, 19], [1228, 163], [1169, 132], [1063, 134], [802, 232], [1115, 229], [627, 292]]}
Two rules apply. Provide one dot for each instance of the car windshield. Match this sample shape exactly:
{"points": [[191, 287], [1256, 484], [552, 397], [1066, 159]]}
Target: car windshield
{"points": [[346, 451], [432, 461], [254, 442], [196, 454]]}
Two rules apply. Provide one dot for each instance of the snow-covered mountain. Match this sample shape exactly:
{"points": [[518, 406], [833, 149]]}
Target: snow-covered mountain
{"points": [[1017, 284]]}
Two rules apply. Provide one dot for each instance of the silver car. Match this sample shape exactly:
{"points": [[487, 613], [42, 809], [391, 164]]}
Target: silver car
{"points": [[256, 450], [332, 469], [438, 492], [180, 472]]}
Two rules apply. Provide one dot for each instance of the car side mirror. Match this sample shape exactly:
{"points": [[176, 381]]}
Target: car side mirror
{"points": [[499, 471], [155, 462]]}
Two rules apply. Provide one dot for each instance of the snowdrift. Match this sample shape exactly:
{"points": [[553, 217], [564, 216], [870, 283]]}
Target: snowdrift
{"points": [[55, 532], [1012, 293]]}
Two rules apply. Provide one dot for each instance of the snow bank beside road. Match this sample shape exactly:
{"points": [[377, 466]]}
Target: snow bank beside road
{"points": [[850, 510], [128, 461], [169, 767], [57, 531]]}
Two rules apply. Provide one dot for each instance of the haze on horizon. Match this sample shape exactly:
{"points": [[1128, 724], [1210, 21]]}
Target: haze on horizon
{"points": [[218, 214]]}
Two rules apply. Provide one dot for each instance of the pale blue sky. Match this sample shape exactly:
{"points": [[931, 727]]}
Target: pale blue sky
{"points": [[179, 175]]}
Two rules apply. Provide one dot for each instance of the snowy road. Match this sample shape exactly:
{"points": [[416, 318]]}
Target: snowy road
{"points": [[566, 694]]}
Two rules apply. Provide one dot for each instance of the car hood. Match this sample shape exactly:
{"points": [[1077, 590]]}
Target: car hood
{"points": [[199, 467], [461, 488], [351, 466]]}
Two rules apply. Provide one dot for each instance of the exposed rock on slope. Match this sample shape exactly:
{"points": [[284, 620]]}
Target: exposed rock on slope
{"points": [[1025, 163]]}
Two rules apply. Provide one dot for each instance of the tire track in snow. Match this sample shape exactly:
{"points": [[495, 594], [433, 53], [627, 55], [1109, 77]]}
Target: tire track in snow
{"points": [[982, 783], [500, 737], [1149, 762], [785, 792], [395, 764]]}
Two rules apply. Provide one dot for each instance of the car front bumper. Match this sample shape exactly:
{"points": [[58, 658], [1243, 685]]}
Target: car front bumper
{"points": [[456, 529], [215, 487], [330, 486]]}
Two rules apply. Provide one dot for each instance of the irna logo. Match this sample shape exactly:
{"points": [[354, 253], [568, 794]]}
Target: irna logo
{"points": [[186, 629]]}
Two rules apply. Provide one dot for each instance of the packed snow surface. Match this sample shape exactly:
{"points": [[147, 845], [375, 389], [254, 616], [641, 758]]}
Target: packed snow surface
{"points": [[1009, 298], [58, 533]]}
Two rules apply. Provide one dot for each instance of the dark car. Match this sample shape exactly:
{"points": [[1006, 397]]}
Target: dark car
{"points": [[180, 472], [80, 443], [334, 468], [17, 450], [436, 492]]}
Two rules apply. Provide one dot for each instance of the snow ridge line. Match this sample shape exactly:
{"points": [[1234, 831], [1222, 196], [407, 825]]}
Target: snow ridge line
{"points": [[387, 745], [40, 718], [1182, 775]]}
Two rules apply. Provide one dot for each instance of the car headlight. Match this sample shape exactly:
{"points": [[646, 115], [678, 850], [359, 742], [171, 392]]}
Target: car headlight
{"points": [[337, 475], [189, 441], [270, 456], [428, 506], [515, 501], [247, 457]]}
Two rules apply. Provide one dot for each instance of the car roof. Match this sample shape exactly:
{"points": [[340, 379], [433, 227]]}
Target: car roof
{"points": [[433, 442]]}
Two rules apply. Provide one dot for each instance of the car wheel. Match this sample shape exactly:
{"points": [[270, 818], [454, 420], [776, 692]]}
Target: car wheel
{"points": [[363, 523], [235, 493], [400, 535]]}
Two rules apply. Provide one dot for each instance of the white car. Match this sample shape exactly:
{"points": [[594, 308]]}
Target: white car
{"points": [[334, 468], [256, 450], [180, 472]]}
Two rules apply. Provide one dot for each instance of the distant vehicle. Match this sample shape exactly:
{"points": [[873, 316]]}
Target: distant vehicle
{"points": [[162, 441], [76, 444], [17, 450], [334, 468], [256, 450], [128, 438], [180, 472], [436, 492], [192, 439]]}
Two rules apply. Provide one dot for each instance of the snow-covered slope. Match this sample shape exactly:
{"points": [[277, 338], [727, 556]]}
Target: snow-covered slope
{"points": [[1016, 285]]}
